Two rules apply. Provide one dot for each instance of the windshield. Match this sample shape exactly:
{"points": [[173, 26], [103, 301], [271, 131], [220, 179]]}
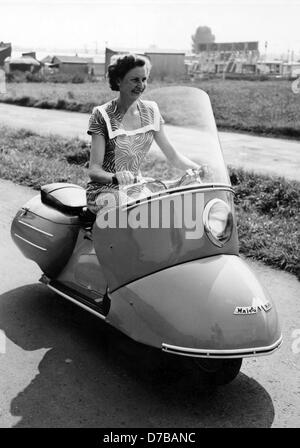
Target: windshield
{"points": [[186, 117], [190, 127]]}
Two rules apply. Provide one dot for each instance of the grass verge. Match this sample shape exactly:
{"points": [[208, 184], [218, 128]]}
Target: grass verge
{"points": [[267, 208]]}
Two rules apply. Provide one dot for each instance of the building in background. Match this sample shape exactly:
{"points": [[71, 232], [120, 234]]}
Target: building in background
{"points": [[224, 57], [166, 64], [97, 67], [25, 63], [110, 55], [72, 65], [5, 52], [270, 68], [291, 70]]}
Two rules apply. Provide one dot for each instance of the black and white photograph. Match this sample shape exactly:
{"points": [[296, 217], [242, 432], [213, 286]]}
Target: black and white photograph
{"points": [[150, 217]]}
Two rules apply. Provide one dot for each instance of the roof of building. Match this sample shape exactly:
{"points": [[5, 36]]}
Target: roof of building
{"points": [[27, 60], [4, 45], [158, 51], [146, 51], [47, 59], [72, 59], [94, 58], [295, 63]]}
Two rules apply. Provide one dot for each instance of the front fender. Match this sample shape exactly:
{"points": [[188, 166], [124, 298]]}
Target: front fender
{"points": [[192, 306]]}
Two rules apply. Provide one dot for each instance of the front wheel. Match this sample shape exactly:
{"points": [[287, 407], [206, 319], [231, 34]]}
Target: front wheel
{"points": [[219, 371]]}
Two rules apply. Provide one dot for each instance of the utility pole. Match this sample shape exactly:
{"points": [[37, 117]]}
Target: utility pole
{"points": [[266, 46]]}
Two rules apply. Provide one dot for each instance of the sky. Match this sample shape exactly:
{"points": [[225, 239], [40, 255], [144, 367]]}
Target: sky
{"points": [[94, 24]]}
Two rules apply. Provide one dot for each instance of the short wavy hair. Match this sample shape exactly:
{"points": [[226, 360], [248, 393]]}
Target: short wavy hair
{"points": [[123, 64]]}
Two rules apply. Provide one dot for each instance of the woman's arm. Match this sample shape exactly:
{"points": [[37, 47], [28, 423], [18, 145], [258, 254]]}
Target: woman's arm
{"points": [[178, 160], [96, 171]]}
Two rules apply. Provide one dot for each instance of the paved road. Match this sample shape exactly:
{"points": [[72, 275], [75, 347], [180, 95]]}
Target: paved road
{"points": [[64, 367], [266, 155]]}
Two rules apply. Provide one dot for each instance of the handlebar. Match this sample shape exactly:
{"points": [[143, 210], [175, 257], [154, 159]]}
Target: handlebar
{"points": [[137, 181], [191, 174]]}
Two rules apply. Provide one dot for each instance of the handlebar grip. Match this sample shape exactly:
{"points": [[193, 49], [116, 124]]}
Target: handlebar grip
{"points": [[116, 182]]}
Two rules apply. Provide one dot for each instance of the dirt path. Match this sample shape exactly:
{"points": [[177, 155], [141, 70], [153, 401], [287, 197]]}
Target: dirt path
{"points": [[65, 368], [261, 154]]}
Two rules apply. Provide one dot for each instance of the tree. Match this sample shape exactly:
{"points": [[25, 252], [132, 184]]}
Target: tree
{"points": [[203, 35]]}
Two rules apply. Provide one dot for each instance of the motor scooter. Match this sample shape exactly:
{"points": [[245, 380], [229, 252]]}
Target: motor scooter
{"points": [[162, 265]]}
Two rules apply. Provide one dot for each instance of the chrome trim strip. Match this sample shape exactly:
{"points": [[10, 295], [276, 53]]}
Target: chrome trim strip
{"points": [[35, 228], [165, 193], [77, 303], [29, 242], [238, 353]]}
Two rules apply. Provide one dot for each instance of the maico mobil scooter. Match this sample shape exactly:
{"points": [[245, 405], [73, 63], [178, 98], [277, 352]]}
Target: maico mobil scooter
{"points": [[162, 266]]}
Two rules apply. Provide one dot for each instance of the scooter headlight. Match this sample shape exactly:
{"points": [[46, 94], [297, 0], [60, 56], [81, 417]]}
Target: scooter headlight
{"points": [[218, 221]]}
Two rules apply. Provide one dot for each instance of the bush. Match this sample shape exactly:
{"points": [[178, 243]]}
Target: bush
{"points": [[9, 77], [17, 76], [59, 77], [61, 104], [246, 77], [45, 104], [35, 77], [73, 106], [78, 79], [24, 101], [87, 107]]}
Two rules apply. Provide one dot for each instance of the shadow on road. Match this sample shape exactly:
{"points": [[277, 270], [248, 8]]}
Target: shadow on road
{"points": [[93, 376]]}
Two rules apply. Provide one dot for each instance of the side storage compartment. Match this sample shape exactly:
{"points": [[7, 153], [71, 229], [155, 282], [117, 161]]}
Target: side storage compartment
{"points": [[45, 235]]}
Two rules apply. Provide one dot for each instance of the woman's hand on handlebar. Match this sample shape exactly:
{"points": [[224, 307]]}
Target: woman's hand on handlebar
{"points": [[127, 178], [193, 174], [124, 178], [193, 171]]}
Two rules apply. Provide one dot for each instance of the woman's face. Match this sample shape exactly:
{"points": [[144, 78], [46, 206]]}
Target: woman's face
{"points": [[134, 82]]}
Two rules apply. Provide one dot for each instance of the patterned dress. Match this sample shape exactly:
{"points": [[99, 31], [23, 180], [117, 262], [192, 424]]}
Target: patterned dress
{"points": [[124, 149]]}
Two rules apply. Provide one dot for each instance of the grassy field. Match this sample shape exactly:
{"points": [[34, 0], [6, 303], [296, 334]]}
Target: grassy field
{"points": [[260, 107], [267, 208]]}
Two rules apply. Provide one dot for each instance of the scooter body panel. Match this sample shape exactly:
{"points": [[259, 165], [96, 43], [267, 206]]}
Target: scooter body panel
{"points": [[193, 305], [83, 270], [45, 235], [136, 250]]}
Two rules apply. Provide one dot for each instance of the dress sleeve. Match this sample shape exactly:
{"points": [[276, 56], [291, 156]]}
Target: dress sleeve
{"points": [[97, 123], [157, 115], [161, 120]]}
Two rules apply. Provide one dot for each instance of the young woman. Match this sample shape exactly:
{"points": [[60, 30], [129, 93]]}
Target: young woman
{"points": [[123, 130]]}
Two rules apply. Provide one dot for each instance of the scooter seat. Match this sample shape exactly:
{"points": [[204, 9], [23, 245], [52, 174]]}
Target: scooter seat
{"points": [[67, 198]]}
